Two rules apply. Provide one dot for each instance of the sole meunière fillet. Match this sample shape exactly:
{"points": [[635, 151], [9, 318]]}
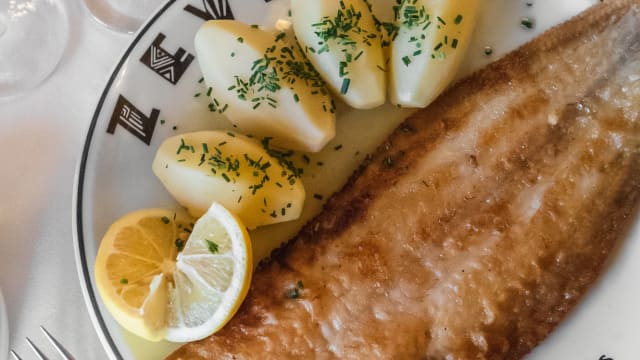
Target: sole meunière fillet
{"points": [[477, 225]]}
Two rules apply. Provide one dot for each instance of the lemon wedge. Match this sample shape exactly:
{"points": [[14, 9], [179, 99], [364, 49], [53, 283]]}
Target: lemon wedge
{"points": [[162, 277]]}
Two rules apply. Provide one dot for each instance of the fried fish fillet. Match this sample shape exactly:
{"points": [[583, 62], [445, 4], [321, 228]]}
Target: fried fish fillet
{"points": [[479, 223]]}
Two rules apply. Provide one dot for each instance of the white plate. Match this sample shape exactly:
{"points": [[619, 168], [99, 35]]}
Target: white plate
{"points": [[153, 87], [4, 330]]}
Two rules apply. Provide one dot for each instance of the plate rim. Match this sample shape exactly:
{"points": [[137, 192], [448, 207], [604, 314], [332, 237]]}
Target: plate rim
{"points": [[82, 267], [4, 328]]}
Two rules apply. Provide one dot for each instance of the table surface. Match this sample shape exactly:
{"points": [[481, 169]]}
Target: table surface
{"points": [[40, 142]]}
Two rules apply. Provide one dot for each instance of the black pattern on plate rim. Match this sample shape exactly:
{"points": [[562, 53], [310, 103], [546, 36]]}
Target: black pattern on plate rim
{"points": [[81, 176]]}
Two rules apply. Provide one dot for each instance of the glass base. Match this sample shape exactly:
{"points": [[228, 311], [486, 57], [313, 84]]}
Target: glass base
{"points": [[122, 15], [33, 38]]}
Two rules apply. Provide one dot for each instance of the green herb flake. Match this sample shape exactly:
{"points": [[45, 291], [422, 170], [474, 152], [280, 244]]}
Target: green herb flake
{"points": [[458, 19], [240, 40], [527, 23], [406, 60], [213, 247], [179, 244], [124, 281], [165, 220], [293, 293], [345, 85]]}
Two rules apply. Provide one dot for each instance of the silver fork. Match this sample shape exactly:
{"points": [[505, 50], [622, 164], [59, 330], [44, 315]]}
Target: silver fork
{"points": [[56, 344]]}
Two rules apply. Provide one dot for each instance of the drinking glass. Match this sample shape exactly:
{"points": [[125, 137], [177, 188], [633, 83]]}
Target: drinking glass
{"points": [[122, 15], [33, 38]]}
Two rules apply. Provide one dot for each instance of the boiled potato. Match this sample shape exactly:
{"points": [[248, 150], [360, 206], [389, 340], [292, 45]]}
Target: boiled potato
{"points": [[263, 83], [238, 172], [429, 43], [341, 40]]}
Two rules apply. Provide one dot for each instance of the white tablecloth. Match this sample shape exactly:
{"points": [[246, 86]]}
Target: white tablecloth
{"points": [[41, 135]]}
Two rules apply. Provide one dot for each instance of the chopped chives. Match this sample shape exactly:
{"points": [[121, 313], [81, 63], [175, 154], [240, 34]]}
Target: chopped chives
{"points": [[345, 85], [527, 23]]}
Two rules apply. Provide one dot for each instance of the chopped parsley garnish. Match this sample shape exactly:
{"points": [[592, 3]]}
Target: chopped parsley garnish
{"points": [[281, 64], [293, 293], [213, 247], [165, 219], [527, 23], [124, 281], [345, 85], [344, 31], [412, 15], [180, 244], [318, 196]]}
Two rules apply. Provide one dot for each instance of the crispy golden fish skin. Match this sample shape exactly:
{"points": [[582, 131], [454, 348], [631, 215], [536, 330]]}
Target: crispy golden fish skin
{"points": [[479, 223]]}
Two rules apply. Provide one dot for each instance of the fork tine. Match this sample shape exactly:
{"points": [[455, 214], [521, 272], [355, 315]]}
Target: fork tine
{"points": [[61, 350], [35, 349], [15, 355]]}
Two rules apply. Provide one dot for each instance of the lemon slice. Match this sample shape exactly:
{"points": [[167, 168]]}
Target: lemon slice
{"points": [[161, 277]]}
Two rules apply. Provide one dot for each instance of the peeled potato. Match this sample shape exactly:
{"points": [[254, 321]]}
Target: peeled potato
{"points": [[263, 83], [202, 167], [431, 40], [341, 40]]}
